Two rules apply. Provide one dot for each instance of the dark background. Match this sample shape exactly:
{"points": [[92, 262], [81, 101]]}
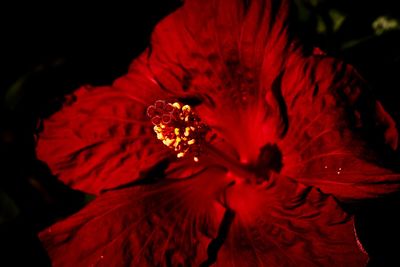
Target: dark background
{"points": [[47, 51]]}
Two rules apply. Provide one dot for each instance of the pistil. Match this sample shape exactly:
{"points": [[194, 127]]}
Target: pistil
{"points": [[179, 128]]}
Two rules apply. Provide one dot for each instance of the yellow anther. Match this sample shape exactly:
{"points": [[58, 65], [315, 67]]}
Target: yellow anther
{"points": [[168, 141], [191, 142], [177, 141], [176, 105], [186, 108], [160, 136], [187, 131], [196, 159], [180, 155], [157, 129], [176, 131]]}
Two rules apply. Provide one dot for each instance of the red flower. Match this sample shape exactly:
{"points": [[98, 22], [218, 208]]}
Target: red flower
{"points": [[280, 136]]}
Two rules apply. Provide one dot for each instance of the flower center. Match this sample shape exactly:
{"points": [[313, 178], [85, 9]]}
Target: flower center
{"points": [[178, 127]]}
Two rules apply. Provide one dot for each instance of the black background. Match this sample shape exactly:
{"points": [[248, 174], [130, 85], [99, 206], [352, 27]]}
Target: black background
{"points": [[47, 51]]}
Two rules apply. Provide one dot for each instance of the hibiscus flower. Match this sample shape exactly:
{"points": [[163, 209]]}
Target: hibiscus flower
{"points": [[226, 143]]}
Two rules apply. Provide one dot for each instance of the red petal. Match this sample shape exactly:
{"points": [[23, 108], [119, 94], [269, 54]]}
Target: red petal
{"points": [[259, 87], [95, 143], [154, 225], [102, 137], [284, 223], [216, 50], [279, 224], [335, 127]]}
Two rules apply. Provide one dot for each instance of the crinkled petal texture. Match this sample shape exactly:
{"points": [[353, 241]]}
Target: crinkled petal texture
{"points": [[101, 138], [335, 128], [283, 223], [153, 225], [182, 223], [253, 86], [258, 86]]}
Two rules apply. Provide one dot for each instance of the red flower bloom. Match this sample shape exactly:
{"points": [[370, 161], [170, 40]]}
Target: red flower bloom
{"points": [[279, 136]]}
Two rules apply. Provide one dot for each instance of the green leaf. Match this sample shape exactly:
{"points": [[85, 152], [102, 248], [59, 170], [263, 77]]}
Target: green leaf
{"points": [[337, 18], [384, 24]]}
